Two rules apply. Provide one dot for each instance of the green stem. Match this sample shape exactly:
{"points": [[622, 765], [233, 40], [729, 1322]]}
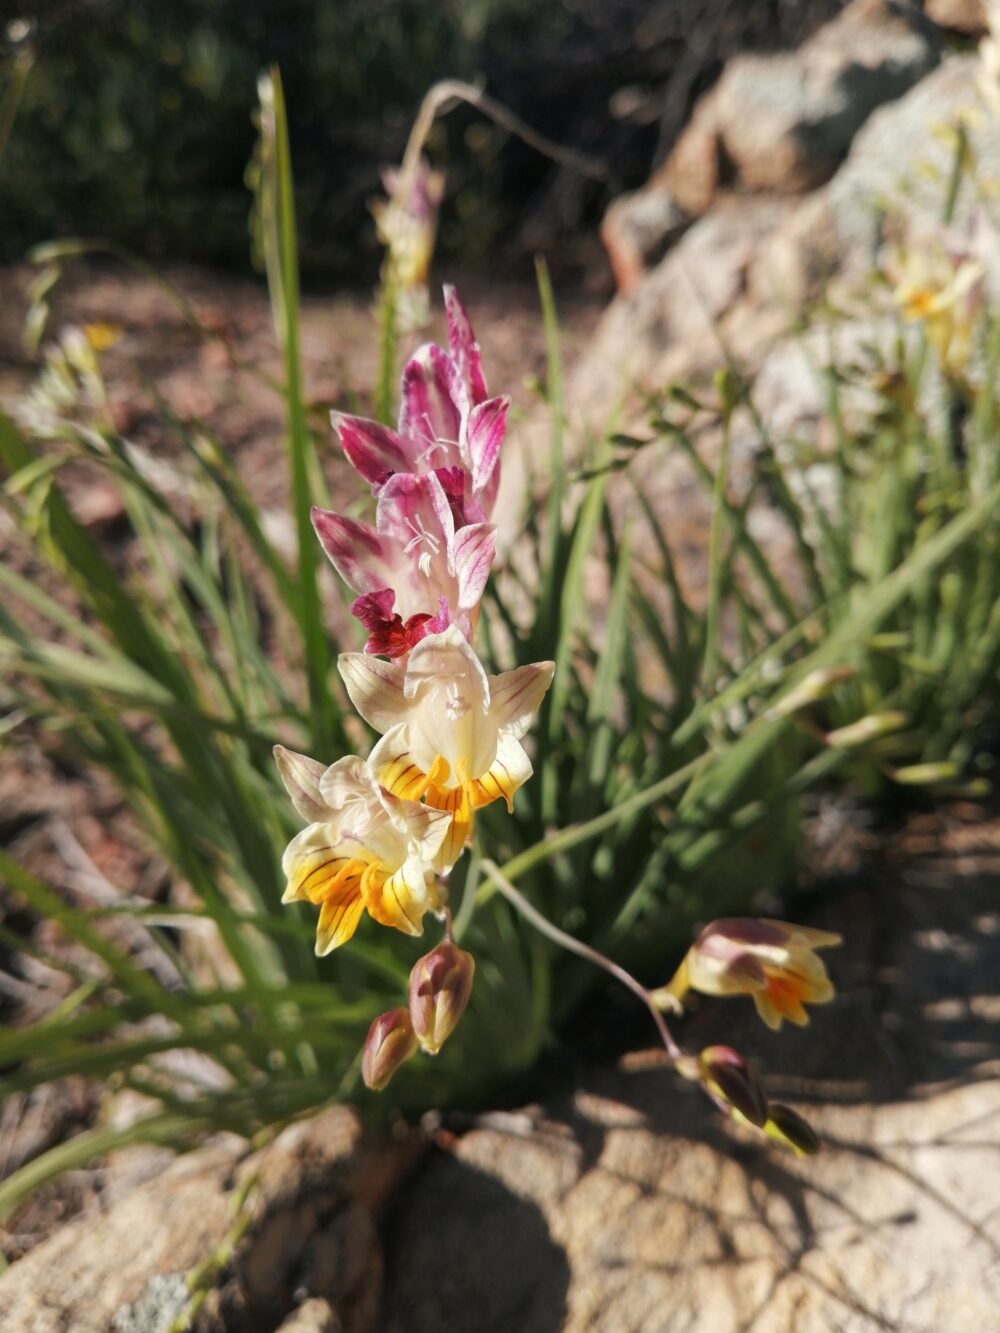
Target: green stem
{"points": [[569, 942]]}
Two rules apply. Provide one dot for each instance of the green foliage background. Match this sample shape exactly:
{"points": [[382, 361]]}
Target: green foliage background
{"points": [[133, 123]]}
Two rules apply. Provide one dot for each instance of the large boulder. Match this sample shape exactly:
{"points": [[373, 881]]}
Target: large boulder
{"points": [[774, 123]]}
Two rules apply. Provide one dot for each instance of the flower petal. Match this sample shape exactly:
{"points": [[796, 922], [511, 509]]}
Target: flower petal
{"points": [[448, 657], [399, 900], [463, 346], [428, 412], [511, 769], [474, 552], [301, 776], [375, 689], [516, 696], [484, 435], [355, 550], [372, 449], [393, 765], [339, 916]]}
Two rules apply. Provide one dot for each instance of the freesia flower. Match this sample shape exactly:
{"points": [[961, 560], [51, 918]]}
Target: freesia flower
{"points": [[416, 573], [448, 424], [772, 961], [363, 849], [451, 733], [940, 280], [406, 222]]}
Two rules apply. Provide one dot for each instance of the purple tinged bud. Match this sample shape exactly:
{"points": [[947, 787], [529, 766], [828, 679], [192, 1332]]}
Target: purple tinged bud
{"points": [[390, 1042], [788, 1127], [733, 1084], [440, 986]]}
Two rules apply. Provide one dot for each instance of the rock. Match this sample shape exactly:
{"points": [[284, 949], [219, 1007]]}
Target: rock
{"points": [[314, 1316], [637, 229], [784, 122], [306, 1228], [967, 17], [629, 1205]]}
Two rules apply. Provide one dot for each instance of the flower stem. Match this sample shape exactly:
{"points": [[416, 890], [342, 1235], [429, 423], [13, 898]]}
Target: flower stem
{"points": [[573, 945]]}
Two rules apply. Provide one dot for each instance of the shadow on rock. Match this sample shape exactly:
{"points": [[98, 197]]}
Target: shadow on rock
{"points": [[466, 1253]]}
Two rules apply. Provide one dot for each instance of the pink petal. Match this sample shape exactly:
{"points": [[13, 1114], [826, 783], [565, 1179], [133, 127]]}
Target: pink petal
{"points": [[464, 348], [429, 411], [355, 550], [475, 548], [413, 512], [373, 449], [484, 433]]}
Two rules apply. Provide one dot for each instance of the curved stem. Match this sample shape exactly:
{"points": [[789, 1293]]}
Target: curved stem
{"points": [[573, 945]]}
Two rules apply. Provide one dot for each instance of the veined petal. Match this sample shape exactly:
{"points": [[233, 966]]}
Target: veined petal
{"points": [[349, 789], [511, 769], [355, 550], [474, 552], [414, 515], [394, 767], [443, 659], [375, 689], [301, 776], [463, 346], [484, 434], [428, 412], [372, 449], [339, 916], [456, 802], [399, 899], [516, 696]]}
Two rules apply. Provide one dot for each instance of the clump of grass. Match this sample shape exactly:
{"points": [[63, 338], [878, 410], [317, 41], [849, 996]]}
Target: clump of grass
{"points": [[178, 677]]}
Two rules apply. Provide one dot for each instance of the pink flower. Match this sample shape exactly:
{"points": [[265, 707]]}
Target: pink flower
{"points": [[448, 425], [416, 573]]}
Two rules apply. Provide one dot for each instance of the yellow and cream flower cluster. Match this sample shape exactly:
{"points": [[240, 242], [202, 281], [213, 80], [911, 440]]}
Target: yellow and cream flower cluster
{"points": [[383, 833]]}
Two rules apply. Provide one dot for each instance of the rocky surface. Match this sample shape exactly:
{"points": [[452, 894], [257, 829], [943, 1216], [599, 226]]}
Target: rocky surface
{"points": [[774, 124], [622, 1203], [740, 274]]}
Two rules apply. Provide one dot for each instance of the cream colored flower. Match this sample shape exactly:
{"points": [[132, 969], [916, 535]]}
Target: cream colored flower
{"points": [[364, 849], [773, 961], [451, 734]]}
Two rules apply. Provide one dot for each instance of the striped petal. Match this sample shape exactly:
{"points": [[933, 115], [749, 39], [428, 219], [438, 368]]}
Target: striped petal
{"points": [[375, 689], [372, 449], [301, 776], [355, 550], [484, 434], [338, 918], [474, 552], [399, 900], [463, 346], [428, 412], [511, 769], [516, 696]]}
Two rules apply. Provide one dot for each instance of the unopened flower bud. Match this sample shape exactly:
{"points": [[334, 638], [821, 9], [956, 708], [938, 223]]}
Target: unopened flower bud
{"points": [[733, 1084], [788, 1127], [440, 985], [816, 686], [867, 729], [390, 1042]]}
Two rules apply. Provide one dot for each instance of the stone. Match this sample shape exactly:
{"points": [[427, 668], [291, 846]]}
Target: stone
{"points": [[311, 1198], [784, 122], [637, 229], [967, 17]]}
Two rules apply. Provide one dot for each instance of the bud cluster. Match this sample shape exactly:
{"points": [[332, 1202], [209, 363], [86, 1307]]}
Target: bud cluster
{"points": [[439, 990]]}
